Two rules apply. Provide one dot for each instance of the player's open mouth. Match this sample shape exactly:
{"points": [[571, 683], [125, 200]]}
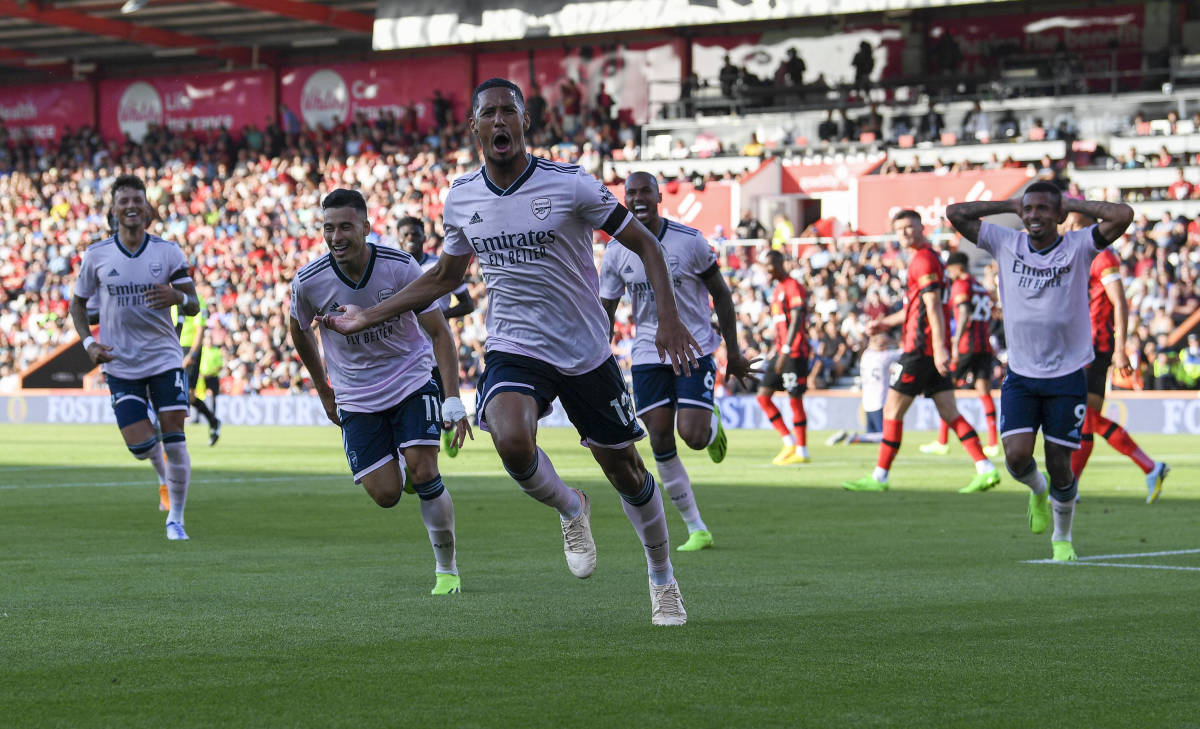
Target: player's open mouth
{"points": [[641, 210], [1036, 228], [501, 142], [339, 247]]}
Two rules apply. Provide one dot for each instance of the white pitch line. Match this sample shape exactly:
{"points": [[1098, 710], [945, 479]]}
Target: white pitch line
{"points": [[1093, 561], [1140, 554], [1114, 564]]}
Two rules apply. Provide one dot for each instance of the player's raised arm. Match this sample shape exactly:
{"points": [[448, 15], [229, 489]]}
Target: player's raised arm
{"points": [[438, 281], [966, 217], [673, 339], [1114, 217]]}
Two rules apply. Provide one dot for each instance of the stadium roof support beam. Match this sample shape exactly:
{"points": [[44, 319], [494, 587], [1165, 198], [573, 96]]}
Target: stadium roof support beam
{"points": [[312, 12], [120, 30], [25, 59]]}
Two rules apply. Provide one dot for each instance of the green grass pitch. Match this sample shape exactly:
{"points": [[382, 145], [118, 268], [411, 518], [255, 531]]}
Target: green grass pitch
{"points": [[299, 603]]}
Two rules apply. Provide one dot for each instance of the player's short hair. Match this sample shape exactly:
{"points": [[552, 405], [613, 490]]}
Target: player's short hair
{"points": [[653, 179], [496, 83], [408, 220], [957, 258], [343, 198], [913, 214], [771, 254], [1047, 187], [127, 182]]}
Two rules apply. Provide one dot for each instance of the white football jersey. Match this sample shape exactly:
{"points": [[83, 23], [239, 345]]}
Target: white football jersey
{"points": [[144, 341], [688, 256], [1044, 295], [875, 369], [376, 368], [534, 244]]}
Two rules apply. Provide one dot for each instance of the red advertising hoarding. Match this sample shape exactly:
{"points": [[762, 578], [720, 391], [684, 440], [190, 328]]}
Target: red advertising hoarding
{"points": [[328, 95], [43, 112], [825, 177], [882, 196], [208, 101]]}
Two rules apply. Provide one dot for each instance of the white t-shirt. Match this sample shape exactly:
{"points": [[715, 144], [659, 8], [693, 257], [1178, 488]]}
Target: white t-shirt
{"points": [[534, 243], [376, 368], [688, 255], [144, 341], [1044, 295]]}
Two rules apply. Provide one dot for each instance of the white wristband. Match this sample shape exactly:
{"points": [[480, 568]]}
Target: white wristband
{"points": [[89, 341]]}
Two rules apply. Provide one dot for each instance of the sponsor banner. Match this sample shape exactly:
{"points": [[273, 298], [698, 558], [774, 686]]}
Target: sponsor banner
{"points": [[328, 95], [421, 23], [200, 102], [826, 411], [882, 196], [43, 112], [703, 209], [825, 177]]}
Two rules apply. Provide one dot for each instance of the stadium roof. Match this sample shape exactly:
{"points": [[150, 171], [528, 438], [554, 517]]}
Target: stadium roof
{"points": [[54, 36]]}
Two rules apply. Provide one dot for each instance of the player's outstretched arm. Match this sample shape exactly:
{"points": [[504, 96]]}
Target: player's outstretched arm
{"points": [[306, 346], [966, 217], [673, 339], [435, 283], [1114, 217], [446, 356]]}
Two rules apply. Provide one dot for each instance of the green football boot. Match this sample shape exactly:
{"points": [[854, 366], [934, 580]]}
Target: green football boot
{"points": [[697, 540], [446, 585]]}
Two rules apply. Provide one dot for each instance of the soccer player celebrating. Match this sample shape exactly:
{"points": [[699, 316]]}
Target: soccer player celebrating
{"points": [[138, 277], [1110, 316], [411, 233], [787, 367], [658, 392], [1044, 287], [530, 222], [382, 394], [971, 351], [925, 363]]}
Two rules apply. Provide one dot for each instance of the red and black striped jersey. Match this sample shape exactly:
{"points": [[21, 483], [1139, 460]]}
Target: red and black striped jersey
{"points": [[789, 295], [925, 273], [1106, 268], [978, 322]]}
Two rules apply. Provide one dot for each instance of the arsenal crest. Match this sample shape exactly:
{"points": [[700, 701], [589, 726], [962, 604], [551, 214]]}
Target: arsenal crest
{"points": [[156, 269], [385, 294], [541, 207]]}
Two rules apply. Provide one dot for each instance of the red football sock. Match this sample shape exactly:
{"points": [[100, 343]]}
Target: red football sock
{"points": [[893, 432], [969, 438], [773, 415], [989, 412], [799, 421], [1118, 438], [943, 432], [1079, 458]]}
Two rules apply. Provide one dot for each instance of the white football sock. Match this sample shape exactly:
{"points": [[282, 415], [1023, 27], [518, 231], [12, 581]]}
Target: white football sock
{"points": [[438, 515], [679, 487], [1064, 516], [650, 522], [880, 474], [179, 474], [542, 483], [156, 460]]}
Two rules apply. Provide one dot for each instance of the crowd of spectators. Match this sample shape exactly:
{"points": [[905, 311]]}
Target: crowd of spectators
{"points": [[247, 209]]}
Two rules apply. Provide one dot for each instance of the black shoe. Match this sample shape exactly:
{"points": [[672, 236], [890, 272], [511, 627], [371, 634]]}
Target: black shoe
{"points": [[214, 433]]}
